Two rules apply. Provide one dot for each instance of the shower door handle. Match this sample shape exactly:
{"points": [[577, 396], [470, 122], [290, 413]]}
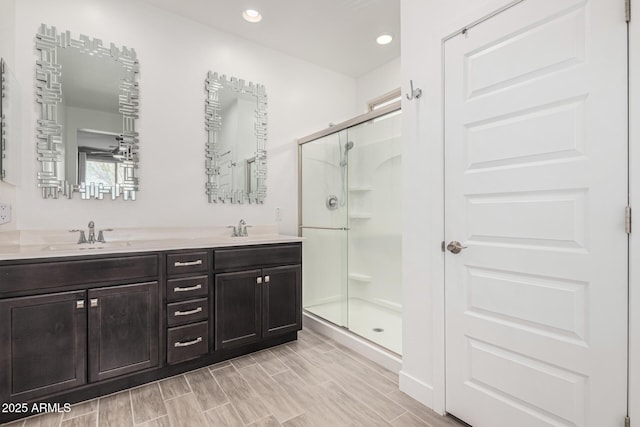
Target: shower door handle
{"points": [[302, 227]]}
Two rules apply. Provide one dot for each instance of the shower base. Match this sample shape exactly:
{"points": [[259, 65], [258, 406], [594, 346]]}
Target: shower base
{"points": [[368, 320]]}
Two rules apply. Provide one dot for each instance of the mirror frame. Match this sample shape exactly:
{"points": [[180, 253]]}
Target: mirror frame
{"points": [[3, 140], [49, 131], [213, 124]]}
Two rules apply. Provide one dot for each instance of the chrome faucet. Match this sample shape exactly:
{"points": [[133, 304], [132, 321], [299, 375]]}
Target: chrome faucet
{"points": [[92, 232], [240, 230]]}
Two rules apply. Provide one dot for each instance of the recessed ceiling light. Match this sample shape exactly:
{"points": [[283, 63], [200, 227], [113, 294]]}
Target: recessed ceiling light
{"points": [[384, 39], [251, 15]]}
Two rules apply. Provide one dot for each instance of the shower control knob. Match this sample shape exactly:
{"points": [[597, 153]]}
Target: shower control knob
{"points": [[455, 247]]}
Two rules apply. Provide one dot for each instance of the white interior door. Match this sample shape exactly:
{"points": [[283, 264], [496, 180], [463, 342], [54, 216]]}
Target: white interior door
{"points": [[536, 188]]}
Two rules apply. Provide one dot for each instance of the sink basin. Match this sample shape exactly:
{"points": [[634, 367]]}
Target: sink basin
{"points": [[86, 246]]}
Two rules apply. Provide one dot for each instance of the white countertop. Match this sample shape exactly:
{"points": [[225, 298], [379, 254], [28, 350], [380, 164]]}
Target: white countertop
{"points": [[61, 243]]}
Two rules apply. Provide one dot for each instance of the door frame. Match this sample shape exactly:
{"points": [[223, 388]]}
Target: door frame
{"points": [[634, 201]]}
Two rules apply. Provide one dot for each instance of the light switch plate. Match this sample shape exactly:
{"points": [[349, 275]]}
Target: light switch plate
{"points": [[5, 213]]}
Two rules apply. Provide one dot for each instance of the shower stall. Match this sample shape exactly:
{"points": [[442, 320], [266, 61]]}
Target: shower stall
{"points": [[350, 216]]}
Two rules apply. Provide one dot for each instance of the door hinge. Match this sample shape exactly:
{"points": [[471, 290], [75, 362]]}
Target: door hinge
{"points": [[442, 247], [627, 10], [627, 422], [627, 219]]}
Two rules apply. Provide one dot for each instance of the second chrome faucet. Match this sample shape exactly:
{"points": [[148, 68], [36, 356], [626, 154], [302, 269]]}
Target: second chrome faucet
{"points": [[240, 230], [92, 234]]}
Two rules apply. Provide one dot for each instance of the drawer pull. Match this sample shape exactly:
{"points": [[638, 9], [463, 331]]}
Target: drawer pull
{"points": [[187, 289], [93, 302], [80, 304], [187, 263], [266, 279], [188, 312], [188, 343], [259, 280]]}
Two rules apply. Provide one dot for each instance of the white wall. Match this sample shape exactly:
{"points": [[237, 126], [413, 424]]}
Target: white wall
{"points": [[175, 55], [424, 25], [378, 82]]}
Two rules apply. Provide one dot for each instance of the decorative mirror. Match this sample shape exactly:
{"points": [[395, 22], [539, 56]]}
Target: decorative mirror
{"points": [[86, 136], [3, 141], [236, 124]]}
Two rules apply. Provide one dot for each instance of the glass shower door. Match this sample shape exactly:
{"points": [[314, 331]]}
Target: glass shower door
{"points": [[351, 218], [324, 224], [374, 274]]}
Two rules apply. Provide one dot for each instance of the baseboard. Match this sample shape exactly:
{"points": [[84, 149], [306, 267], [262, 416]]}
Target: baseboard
{"points": [[417, 389], [382, 357]]}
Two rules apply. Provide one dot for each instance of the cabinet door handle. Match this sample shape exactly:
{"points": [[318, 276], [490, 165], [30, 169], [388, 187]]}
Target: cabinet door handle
{"points": [[188, 343], [259, 280], [187, 289], [266, 279], [187, 263], [80, 304], [188, 312], [93, 302]]}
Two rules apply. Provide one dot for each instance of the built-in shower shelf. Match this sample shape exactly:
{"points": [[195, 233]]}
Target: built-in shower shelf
{"points": [[360, 188], [360, 277], [360, 215]]}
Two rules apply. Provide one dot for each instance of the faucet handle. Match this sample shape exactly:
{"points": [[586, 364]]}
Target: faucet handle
{"points": [[100, 238], [234, 233], [245, 232], [81, 238]]}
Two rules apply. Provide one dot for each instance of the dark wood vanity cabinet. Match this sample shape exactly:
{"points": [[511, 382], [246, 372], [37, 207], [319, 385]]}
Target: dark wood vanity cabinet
{"points": [[54, 341], [74, 328], [258, 293]]}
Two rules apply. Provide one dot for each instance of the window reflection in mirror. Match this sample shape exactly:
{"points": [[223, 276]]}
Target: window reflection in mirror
{"points": [[99, 159]]}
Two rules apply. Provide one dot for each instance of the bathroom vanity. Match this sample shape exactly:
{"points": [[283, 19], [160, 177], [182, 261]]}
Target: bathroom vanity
{"points": [[78, 324]]}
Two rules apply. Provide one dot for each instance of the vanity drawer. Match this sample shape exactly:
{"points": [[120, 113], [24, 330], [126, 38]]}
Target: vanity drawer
{"points": [[187, 342], [54, 273], [229, 259], [179, 313], [189, 287], [187, 262]]}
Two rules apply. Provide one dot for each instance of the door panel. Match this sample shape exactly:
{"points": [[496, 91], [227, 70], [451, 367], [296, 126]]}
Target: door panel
{"points": [[43, 346], [535, 187], [238, 308], [123, 329], [282, 300]]}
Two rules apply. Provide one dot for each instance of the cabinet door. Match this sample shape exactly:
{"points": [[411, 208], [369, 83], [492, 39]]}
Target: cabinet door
{"points": [[42, 345], [282, 300], [237, 314], [123, 329]]}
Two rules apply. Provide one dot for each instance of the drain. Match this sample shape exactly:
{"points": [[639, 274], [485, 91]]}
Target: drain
{"points": [[378, 330]]}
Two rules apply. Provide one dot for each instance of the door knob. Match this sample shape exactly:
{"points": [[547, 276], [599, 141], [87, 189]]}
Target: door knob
{"points": [[455, 247]]}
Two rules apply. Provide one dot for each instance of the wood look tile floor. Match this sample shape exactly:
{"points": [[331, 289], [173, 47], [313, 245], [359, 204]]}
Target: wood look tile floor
{"points": [[311, 382]]}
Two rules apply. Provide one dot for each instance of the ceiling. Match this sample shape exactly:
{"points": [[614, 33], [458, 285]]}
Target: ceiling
{"points": [[335, 34]]}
